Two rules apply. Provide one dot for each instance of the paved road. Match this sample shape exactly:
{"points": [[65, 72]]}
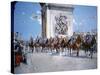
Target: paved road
{"points": [[47, 62]]}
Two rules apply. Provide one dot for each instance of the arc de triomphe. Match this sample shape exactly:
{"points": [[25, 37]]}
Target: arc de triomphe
{"points": [[57, 20]]}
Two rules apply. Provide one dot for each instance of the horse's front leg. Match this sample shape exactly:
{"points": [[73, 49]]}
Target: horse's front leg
{"points": [[62, 49], [41, 48], [36, 48], [70, 51], [32, 49], [51, 49], [77, 52], [86, 52], [91, 53], [57, 51]]}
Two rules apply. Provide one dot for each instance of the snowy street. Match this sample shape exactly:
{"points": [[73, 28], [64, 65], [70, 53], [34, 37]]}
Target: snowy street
{"points": [[47, 62]]}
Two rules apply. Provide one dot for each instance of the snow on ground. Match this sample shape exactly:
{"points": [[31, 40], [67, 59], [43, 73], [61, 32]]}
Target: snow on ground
{"points": [[47, 62]]}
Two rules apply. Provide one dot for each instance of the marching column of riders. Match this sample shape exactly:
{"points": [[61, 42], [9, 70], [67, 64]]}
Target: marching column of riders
{"points": [[88, 43]]}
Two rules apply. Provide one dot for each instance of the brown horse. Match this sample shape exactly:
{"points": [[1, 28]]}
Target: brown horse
{"points": [[54, 44], [63, 43], [76, 45], [50, 44]]}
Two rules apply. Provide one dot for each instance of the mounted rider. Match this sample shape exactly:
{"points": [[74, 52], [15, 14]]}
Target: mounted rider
{"points": [[72, 39]]}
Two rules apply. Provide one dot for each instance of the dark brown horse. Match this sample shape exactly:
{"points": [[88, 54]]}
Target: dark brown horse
{"points": [[75, 45], [54, 45], [88, 45], [63, 44]]}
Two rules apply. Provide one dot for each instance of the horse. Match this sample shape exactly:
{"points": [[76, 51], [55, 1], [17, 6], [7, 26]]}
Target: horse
{"points": [[89, 45], [44, 44], [63, 44], [70, 42], [51, 44], [75, 45], [31, 44], [54, 45], [37, 45]]}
